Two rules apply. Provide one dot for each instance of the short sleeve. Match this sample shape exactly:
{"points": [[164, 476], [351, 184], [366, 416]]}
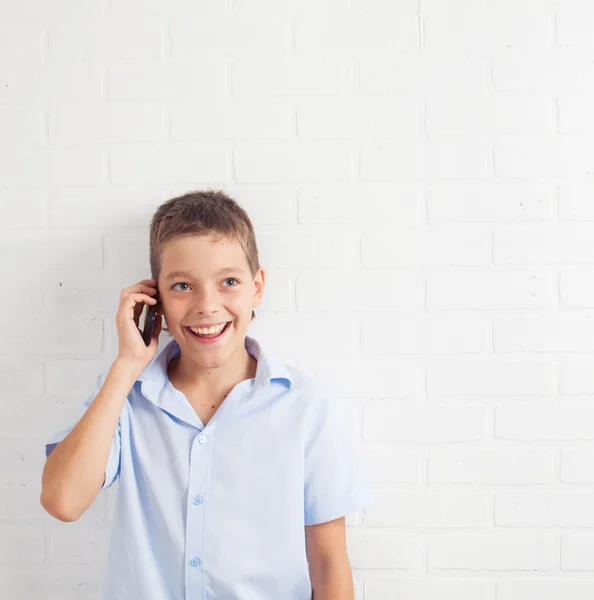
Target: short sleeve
{"points": [[112, 468], [334, 482]]}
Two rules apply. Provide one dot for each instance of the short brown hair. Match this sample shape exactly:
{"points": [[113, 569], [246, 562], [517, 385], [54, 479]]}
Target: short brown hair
{"points": [[201, 213]]}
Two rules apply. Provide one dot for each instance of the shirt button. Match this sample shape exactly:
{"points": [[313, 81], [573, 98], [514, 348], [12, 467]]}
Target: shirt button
{"points": [[195, 562], [202, 439], [198, 500]]}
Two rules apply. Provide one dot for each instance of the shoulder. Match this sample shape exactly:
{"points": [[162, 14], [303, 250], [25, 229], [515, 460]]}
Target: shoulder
{"points": [[311, 393]]}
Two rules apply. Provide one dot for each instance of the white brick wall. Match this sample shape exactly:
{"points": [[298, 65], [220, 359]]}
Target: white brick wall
{"points": [[419, 175]]}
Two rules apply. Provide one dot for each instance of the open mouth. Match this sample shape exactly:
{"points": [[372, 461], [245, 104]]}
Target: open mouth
{"points": [[208, 337]]}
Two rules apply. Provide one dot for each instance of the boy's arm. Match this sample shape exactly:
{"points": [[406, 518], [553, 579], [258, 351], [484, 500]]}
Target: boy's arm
{"points": [[329, 567], [74, 472]]}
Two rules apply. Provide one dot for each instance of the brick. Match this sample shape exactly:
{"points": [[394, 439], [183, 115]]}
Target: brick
{"points": [[418, 247], [167, 7], [230, 36], [575, 202], [544, 509], [21, 375], [357, 34], [559, 333], [293, 333], [168, 80], [52, 335], [384, 376], [491, 378], [85, 294], [443, 510], [544, 589], [27, 166], [497, 202], [51, 581], [128, 251], [24, 544], [291, 76], [364, 205], [383, 550], [21, 207], [105, 39], [559, 158], [361, 116], [106, 123], [284, 6], [410, 6], [385, 464], [73, 375], [577, 376], [49, 9], [576, 465], [293, 162], [424, 335], [563, 244], [50, 83], [574, 114], [483, 290], [83, 544], [156, 163], [491, 466], [21, 460], [25, 297], [21, 125], [378, 588], [266, 205], [544, 421], [115, 207], [542, 69], [577, 287], [417, 160], [577, 553], [496, 115], [51, 251], [395, 422], [307, 250], [23, 42], [447, 72], [358, 290], [486, 28], [231, 119], [491, 553], [574, 23]]}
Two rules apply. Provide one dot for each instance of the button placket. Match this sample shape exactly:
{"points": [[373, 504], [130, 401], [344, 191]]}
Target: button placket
{"points": [[200, 457]]}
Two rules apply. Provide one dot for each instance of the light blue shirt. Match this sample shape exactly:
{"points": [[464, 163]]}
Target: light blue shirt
{"points": [[218, 512]]}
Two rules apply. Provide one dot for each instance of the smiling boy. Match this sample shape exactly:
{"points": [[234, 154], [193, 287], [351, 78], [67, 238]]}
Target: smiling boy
{"points": [[235, 469]]}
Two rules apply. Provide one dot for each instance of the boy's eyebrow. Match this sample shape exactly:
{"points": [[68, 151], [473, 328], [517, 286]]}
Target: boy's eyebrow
{"points": [[234, 269]]}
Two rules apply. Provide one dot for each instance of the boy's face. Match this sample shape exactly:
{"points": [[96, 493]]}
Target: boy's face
{"points": [[204, 295]]}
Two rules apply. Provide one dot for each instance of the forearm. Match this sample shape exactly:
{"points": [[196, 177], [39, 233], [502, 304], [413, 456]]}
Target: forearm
{"points": [[334, 582], [74, 472]]}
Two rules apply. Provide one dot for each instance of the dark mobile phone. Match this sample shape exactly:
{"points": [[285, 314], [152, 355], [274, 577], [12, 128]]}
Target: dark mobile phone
{"points": [[149, 322]]}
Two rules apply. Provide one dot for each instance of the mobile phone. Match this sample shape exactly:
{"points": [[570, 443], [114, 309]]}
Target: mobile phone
{"points": [[149, 322]]}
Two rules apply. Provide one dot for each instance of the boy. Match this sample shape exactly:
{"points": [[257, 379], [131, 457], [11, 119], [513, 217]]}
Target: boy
{"points": [[235, 469]]}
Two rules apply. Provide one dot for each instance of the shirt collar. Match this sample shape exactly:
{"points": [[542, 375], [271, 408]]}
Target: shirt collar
{"points": [[154, 377]]}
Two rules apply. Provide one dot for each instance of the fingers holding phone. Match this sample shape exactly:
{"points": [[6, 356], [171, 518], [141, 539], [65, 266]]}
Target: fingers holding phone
{"points": [[140, 347]]}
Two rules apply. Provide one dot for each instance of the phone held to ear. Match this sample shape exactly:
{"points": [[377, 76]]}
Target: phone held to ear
{"points": [[149, 323]]}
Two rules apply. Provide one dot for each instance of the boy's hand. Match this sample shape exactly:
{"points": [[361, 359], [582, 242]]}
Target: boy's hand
{"points": [[132, 301]]}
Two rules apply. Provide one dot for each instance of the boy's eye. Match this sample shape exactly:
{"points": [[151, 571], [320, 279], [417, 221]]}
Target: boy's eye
{"points": [[228, 279]]}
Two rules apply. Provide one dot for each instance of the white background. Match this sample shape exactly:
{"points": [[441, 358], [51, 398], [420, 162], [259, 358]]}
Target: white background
{"points": [[419, 176]]}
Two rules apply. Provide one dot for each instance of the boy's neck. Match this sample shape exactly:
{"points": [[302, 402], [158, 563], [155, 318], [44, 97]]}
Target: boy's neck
{"points": [[212, 381]]}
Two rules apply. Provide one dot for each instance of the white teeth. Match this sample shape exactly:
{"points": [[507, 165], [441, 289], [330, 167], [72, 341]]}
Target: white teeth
{"points": [[208, 330]]}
